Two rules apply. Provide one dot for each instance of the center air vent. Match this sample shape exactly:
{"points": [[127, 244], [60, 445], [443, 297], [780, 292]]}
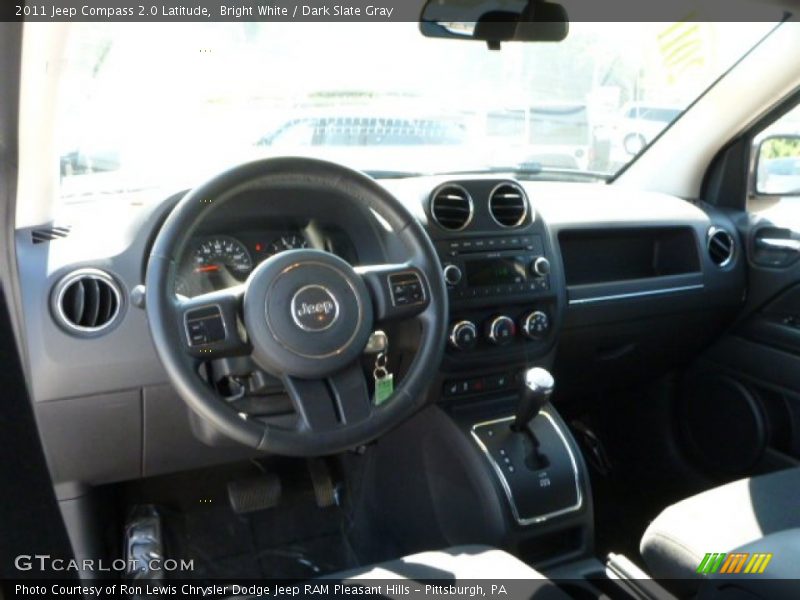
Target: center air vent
{"points": [[508, 205], [451, 207], [720, 246], [86, 302]]}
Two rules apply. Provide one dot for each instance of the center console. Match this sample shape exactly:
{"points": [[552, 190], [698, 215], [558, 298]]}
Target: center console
{"points": [[503, 306], [498, 270], [501, 464], [505, 287]]}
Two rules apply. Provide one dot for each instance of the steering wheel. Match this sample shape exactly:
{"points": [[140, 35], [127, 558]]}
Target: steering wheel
{"points": [[304, 316]]}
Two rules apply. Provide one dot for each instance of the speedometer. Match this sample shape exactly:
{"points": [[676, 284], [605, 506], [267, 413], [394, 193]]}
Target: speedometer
{"points": [[222, 254]]}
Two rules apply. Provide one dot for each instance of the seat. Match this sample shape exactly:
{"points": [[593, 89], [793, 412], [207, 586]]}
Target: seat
{"points": [[463, 565], [722, 519]]}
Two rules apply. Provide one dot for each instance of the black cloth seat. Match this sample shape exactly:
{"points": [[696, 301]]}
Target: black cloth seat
{"points": [[722, 519]]}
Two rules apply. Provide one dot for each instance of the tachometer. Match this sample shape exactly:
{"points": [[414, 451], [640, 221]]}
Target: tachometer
{"points": [[222, 254], [287, 242]]}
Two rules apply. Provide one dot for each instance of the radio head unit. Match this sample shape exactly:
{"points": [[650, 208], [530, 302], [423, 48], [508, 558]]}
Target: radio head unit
{"points": [[488, 267]]}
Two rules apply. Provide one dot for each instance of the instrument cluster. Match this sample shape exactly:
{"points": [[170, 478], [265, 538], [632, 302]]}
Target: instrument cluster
{"points": [[215, 262]]}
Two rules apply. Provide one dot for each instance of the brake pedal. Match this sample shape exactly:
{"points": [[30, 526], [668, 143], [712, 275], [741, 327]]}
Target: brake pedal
{"points": [[255, 493], [324, 490]]}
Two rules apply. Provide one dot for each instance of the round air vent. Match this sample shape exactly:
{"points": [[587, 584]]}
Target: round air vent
{"points": [[451, 207], [87, 302], [508, 205], [720, 246]]}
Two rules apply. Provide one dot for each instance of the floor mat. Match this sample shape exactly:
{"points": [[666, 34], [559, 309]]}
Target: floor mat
{"points": [[223, 544], [296, 539]]}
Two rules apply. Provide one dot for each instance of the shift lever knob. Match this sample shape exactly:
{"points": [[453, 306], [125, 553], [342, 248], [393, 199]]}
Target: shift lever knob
{"points": [[536, 390]]}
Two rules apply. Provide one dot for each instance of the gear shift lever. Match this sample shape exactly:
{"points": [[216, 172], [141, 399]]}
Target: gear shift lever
{"points": [[537, 387]]}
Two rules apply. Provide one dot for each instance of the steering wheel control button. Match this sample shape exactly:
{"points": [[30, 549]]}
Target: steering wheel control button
{"points": [[406, 289], [452, 275], [536, 325], [463, 335], [204, 326], [314, 308], [501, 330]]}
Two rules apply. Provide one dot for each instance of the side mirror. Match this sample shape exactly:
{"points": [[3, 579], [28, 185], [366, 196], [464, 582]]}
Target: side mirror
{"points": [[778, 166]]}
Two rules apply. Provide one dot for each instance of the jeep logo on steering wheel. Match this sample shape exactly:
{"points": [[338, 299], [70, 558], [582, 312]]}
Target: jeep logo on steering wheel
{"points": [[314, 308]]}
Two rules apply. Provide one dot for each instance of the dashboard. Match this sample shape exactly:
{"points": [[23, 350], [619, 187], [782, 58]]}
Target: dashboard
{"points": [[591, 281], [600, 284]]}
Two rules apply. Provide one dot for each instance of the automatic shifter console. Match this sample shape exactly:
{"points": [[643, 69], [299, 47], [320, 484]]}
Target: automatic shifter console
{"points": [[530, 455]]}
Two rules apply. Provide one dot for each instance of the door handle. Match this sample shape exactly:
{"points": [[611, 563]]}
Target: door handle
{"points": [[780, 244]]}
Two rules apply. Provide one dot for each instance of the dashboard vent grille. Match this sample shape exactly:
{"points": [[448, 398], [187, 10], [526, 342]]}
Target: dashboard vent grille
{"points": [[720, 246], [49, 234], [87, 301], [451, 207], [508, 205]]}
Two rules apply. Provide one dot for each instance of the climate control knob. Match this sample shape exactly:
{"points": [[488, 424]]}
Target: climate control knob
{"points": [[463, 335], [452, 274], [501, 330], [540, 266], [535, 325]]}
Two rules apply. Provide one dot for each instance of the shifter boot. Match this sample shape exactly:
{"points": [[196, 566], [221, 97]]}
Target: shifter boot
{"points": [[535, 460]]}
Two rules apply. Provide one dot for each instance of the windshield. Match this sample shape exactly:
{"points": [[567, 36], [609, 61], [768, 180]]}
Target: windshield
{"points": [[382, 98]]}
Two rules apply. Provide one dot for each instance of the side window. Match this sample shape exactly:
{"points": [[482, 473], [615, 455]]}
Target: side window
{"points": [[776, 166]]}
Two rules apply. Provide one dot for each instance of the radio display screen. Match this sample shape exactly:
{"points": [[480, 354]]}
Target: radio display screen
{"points": [[495, 271]]}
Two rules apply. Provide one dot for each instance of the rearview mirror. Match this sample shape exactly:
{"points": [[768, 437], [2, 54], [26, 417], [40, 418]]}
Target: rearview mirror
{"points": [[495, 21], [778, 166]]}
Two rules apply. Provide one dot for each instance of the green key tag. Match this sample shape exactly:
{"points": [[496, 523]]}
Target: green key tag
{"points": [[384, 386], [384, 381]]}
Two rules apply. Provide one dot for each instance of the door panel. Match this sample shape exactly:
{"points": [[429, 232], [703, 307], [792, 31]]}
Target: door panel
{"points": [[761, 352]]}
